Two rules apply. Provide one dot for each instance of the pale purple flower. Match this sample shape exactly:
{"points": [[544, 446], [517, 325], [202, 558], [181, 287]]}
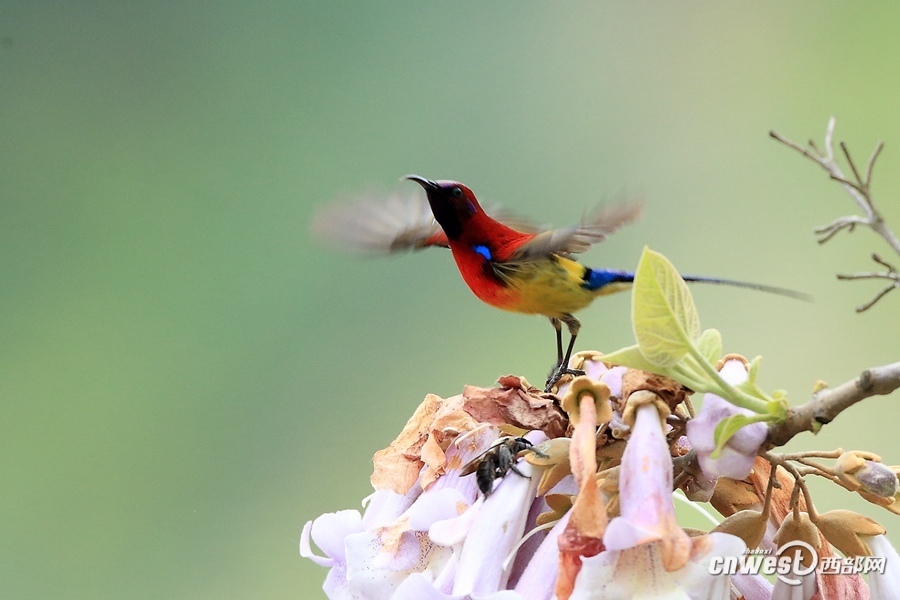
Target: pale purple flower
{"points": [[371, 556], [495, 530], [805, 590], [593, 367], [736, 459], [884, 584], [538, 580], [444, 540], [645, 489], [440, 543], [329, 532], [638, 573], [700, 487], [752, 587], [647, 553]]}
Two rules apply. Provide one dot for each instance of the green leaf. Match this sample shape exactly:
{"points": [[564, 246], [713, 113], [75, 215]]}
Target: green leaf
{"points": [[710, 345], [630, 357], [663, 313], [753, 369], [728, 426], [779, 406]]}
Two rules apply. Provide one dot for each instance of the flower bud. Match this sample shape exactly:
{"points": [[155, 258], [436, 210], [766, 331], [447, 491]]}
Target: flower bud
{"points": [[559, 505], [801, 529], [865, 471], [609, 490], [892, 504], [553, 457], [843, 529], [732, 495], [749, 525], [736, 458]]}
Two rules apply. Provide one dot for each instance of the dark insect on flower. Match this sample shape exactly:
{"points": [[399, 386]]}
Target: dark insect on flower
{"points": [[498, 460]]}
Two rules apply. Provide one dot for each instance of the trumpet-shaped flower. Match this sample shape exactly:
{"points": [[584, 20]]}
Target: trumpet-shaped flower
{"points": [[647, 554], [371, 556], [735, 460], [884, 583], [584, 518], [441, 538]]}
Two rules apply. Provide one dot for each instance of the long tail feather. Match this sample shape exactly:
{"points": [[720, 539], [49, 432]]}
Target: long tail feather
{"points": [[598, 279], [771, 289]]}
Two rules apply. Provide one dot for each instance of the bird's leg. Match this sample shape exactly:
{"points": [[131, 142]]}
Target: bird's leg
{"points": [[574, 326], [562, 366], [557, 325]]}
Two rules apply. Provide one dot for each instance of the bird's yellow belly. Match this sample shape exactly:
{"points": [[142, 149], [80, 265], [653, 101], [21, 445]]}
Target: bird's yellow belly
{"points": [[549, 287]]}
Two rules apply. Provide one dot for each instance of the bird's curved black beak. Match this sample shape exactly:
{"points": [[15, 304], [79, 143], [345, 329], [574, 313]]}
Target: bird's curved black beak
{"points": [[428, 184], [442, 206]]}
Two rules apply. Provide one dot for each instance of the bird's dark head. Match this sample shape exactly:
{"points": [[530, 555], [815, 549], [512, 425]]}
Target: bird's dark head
{"points": [[452, 204]]}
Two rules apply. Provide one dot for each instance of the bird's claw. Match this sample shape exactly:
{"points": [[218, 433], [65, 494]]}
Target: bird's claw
{"points": [[558, 374]]}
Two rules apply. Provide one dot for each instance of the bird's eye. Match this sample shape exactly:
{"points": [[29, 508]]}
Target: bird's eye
{"points": [[457, 192]]}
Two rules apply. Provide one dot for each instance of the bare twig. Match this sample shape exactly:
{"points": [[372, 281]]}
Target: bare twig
{"points": [[828, 403], [891, 274], [860, 190], [808, 454], [778, 460]]}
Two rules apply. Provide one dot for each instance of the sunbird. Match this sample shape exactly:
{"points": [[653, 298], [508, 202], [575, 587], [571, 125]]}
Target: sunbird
{"points": [[504, 261]]}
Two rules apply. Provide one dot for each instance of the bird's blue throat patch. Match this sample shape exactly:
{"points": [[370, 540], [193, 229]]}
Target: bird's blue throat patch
{"points": [[483, 251]]}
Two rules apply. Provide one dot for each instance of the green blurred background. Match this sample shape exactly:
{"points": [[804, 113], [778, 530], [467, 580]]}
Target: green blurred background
{"points": [[186, 377]]}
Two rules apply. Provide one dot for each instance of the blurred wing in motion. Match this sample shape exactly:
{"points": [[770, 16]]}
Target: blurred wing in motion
{"points": [[594, 228], [379, 224]]}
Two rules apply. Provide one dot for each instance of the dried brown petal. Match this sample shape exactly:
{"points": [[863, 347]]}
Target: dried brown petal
{"points": [[515, 403], [449, 422], [671, 392], [732, 356], [397, 466]]}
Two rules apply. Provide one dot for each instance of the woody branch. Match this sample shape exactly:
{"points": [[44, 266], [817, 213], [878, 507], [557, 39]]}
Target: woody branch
{"points": [[859, 187], [828, 403]]}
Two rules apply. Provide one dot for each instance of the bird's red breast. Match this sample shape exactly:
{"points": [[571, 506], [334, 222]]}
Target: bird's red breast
{"points": [[484, 237]]}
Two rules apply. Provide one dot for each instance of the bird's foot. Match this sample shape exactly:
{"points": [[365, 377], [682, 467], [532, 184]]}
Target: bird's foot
{"points": [[558, 373]]}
